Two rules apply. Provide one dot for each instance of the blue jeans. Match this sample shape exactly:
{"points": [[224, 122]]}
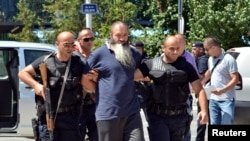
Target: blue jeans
{"points": [[221, 112]]}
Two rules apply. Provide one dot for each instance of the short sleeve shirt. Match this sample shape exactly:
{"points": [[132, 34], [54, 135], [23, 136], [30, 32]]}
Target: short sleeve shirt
{"points": [[115, 92], [221, 75]]}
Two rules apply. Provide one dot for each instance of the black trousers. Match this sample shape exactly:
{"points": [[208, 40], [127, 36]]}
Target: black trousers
{"points": [[201, 128]]}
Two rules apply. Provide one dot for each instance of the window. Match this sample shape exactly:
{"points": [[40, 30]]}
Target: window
{"points": [[31, 55], [3, 71]]}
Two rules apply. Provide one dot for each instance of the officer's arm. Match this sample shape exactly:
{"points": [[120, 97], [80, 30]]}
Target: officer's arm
{"points": [[202, 99], [26, 75], [206, 77], [138, 75], [89, 80]]}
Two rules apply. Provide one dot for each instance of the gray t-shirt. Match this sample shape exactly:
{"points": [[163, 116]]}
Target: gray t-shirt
{"points": [[221, 75]]}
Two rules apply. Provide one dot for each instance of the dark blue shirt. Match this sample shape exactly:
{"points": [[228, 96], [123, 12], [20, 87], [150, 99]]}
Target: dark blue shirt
{"points": [[115, 92], [201, 63]]}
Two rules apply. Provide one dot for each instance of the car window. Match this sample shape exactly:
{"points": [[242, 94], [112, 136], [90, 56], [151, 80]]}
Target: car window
{"points": [[234, 54], [31, 55], [3, 71]]}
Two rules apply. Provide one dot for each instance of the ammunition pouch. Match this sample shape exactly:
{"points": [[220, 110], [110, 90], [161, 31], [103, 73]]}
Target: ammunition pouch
{"points": [[71, 83], [58, 81]]}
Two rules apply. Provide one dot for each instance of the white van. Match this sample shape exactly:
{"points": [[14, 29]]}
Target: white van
{"points": [[17, 104], [242, 109]]}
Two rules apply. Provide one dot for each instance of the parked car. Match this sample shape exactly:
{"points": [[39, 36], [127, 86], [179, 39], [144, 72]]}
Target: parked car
{"points": [[17, 104], [242, 104]]}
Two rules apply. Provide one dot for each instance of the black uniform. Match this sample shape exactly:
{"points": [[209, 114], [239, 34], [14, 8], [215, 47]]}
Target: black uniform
{"points": [[167, 108], [87, 122], [66, 124]]}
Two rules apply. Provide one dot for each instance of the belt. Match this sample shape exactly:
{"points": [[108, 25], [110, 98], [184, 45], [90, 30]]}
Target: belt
{"points": [[157, 109], [66, 109], [88, 102]]}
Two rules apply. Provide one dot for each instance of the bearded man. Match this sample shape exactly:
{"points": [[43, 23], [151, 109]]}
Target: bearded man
{"points": [[117, 107]]}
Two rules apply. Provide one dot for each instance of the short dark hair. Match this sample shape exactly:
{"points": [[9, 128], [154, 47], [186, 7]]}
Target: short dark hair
{"points": [[212, 41]]}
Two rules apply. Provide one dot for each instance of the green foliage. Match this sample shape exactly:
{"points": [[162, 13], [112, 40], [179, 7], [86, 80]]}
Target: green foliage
{"points": [[227, 20], [28, 18], [64, 15], [118, 10], [153, 40], [164, 14]]}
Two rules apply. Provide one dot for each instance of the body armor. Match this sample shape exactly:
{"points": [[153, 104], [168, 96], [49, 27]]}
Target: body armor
{"points": [[72, 95], [170, 83]]}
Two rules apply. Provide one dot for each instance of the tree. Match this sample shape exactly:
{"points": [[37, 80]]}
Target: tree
{"points": [[64, 15], [164, 15], [71, 19], [227, 20], [29, 20]]}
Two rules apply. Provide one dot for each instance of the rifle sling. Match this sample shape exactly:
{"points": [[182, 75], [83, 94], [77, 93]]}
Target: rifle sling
{"points": [[62, 89]]}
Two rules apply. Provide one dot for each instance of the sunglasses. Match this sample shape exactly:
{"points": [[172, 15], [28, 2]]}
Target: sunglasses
{"points": [[207, 49], [69, 45], [88, 39]]}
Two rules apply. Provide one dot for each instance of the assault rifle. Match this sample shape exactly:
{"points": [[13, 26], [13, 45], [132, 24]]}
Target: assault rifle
{"points": [[47, 102]]}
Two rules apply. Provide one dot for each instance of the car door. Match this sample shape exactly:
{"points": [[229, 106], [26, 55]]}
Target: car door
{"points": [[8, 89], [27, 106]]}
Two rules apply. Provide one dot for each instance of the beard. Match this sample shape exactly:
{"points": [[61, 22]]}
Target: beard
{"points": [[123, 54]]}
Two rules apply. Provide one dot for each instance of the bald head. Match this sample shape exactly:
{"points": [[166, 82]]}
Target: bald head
{"points": [[171, 49], [64, 36], [170, 40], [85, 31]]}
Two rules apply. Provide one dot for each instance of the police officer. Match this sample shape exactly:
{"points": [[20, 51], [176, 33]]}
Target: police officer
{"points": [[87, 121], [64, 105], [143, 86], [201, 58], [167, 108]]}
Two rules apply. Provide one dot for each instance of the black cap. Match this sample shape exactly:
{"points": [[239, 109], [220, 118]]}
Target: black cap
{"points": [[138, 44], [198, 44]]}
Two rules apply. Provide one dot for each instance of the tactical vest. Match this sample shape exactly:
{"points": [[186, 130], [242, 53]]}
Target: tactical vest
{"points": [[73, 90], [170, 83]]}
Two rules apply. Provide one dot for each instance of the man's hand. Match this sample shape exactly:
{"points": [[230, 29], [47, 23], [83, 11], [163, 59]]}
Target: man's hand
{"points": [[203, 117], [89, 81], [93, 73], [39, 90]]}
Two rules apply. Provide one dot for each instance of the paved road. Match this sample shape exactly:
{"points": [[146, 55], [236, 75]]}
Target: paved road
{"points": [[193, 129]]}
